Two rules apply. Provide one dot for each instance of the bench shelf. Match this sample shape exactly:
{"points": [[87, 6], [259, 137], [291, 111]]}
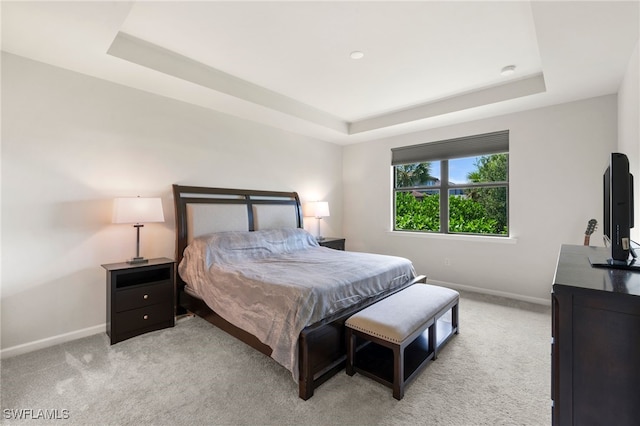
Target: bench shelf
{"points": [[376, 361]]}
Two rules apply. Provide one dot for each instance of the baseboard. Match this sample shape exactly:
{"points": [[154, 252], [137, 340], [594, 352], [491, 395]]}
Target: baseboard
{"points": [[51, 341], [536, 300]]}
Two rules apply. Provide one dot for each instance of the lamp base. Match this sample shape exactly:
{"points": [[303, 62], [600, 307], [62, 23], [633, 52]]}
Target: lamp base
{"points": [[137, 261]]}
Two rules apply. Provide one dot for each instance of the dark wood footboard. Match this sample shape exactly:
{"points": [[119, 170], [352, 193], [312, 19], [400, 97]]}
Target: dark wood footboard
{"points": [[322, 346]]}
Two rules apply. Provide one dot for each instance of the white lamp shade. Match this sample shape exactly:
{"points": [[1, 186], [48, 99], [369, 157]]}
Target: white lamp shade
{"points": [[321, 209], [137, 210]]}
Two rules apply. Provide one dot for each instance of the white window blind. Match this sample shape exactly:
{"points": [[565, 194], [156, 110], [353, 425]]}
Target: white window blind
{"points": [[468, 146]]}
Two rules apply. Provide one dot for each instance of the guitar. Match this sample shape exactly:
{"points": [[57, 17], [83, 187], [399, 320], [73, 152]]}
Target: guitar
{"points": [[591, 227]]}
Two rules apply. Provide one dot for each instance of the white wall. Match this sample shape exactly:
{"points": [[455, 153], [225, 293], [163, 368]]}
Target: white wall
{"points": [[629, 127], [557, 157], [71, 143]]}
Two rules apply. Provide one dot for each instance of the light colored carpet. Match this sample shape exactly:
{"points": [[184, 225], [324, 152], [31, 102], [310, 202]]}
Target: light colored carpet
{"points": [[495, 372]]}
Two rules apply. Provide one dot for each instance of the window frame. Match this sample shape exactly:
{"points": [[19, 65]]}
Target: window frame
{"points": [[495, 143]]}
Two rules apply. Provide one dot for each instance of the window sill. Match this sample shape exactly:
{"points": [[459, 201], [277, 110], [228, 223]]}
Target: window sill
{"points": [[455, 237]]}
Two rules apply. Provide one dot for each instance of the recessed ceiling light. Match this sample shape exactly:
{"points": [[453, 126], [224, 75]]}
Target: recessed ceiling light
{"points": [[508, 70], [356, 55]]}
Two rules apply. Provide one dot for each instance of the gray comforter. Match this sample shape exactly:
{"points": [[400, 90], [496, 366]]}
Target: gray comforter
{"points": [[273, 283]]}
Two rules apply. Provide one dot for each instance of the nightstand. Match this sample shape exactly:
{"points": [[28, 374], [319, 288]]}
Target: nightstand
{"points": [[333, 242], [140, 298]]}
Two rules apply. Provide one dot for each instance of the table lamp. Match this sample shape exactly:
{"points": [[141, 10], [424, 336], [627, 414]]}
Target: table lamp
{"points": [[138, 211], [320, 209]]}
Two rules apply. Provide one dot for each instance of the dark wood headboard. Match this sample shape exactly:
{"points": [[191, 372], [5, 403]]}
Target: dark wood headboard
{"points": [[235, 210]]}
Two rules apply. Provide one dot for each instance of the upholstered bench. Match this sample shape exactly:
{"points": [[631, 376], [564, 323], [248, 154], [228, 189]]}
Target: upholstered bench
{"points": [[406, 323]]}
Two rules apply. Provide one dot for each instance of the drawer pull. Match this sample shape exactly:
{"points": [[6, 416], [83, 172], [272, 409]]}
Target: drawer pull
{"points": [[146, 296], [145, 317]]}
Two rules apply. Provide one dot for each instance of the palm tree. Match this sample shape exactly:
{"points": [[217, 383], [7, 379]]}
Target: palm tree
{"points": [[416, 174]]}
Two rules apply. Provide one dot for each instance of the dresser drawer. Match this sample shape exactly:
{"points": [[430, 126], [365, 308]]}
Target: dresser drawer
{"points": [[142, 318], [139, 297]]}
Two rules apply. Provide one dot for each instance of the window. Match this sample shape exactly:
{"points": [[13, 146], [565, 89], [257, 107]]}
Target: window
{"points": [[457, 186]]}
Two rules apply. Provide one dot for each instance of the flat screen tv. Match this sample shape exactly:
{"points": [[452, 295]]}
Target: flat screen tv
{"points": [[618, 209]]}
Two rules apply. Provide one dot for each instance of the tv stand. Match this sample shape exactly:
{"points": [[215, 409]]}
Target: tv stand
{"points": [[601, 260], [630, 262], [595, 367]]}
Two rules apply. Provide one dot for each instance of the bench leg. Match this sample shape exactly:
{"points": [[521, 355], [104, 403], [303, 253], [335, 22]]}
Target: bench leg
{"points": [[454, 326], [433, 348], [454, 318], [398, 372], [351, 352]]}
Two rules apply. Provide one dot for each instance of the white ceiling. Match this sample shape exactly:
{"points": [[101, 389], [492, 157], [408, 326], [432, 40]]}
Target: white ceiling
{"points": [[287, 64]]}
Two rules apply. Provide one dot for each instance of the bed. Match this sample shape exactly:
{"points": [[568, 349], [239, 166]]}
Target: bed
{"points": [[247, 266]]}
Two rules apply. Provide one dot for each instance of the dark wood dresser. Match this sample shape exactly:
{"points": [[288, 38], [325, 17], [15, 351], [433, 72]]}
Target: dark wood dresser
{"points": [[595, 350], [140, 298]]}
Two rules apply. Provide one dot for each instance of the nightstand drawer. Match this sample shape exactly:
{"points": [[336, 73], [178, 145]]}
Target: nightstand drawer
{"points": [[146, 317], [142, 296]]}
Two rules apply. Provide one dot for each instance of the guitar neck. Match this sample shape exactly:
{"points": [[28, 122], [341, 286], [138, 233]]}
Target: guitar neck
{"points": [[591, 227]]}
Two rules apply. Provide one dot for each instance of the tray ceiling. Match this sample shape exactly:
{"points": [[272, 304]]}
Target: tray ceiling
{"points": [[288, 65]]}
